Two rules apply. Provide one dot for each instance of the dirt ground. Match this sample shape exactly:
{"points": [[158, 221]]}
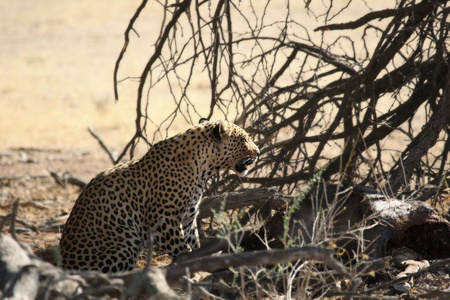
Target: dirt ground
{"points": [[44, 201], [39, 180]]}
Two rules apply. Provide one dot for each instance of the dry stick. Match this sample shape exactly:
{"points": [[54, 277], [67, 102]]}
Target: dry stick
{"points": [[420, 145], [13, 220], [182, 8], [387, 13], [125, 45], [76, 181], [268, 257], [62, 179], [271, 83], [58, 178], [437, 264], [240, 199], [27, 225], [211, 246], [317, 52], [12, 216], [213, 77], [102, 144]]}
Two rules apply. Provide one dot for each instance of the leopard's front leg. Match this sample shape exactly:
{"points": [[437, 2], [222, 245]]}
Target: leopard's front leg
{"points": [[169, 236]]}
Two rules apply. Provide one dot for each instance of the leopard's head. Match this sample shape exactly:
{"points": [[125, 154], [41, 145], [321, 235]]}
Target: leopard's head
{"points": [[233, 147]]}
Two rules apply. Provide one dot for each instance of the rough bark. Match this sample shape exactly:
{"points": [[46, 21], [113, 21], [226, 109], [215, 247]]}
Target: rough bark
{"points": [[241, 199], [384, 222], [24, 276]]}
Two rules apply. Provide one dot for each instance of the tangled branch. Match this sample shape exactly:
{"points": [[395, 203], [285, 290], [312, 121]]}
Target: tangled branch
{"points": [[376, 110]]}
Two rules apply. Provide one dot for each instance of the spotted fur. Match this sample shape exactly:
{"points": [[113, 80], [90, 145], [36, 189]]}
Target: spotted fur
{"points": [[115, 213]]}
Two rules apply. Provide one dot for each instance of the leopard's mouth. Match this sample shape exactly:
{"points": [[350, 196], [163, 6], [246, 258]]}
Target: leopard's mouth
{"points": [[241, 167]]}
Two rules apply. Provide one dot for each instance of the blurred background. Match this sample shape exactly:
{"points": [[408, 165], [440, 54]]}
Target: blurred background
{"points": [[56, 62], [56, 70]]}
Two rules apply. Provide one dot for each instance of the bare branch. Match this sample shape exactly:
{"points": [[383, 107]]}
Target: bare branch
{"points": [[240, 199], [262, 258], [125, 45], [381, 14], [401, 173], [103, 145]]}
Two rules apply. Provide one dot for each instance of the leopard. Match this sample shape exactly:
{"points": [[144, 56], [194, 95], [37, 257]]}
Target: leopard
{"points": [[153, 199]]}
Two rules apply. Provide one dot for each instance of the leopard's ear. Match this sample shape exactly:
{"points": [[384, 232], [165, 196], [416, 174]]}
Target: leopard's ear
{"points": [[221, 131], [203, 120]]}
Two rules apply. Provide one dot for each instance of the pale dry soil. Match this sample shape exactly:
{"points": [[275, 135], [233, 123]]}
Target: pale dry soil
{"points": [[45, 201]]}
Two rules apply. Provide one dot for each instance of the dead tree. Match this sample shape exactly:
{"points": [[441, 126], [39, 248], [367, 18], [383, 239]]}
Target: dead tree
{"points": [[308, 97], [364, 100]]}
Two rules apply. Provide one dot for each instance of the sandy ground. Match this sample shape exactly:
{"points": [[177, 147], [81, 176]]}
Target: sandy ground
{"points": [[56, 63]]}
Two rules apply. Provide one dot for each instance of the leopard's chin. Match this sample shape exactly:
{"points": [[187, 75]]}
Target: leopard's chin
{"points": [[241, 167]]}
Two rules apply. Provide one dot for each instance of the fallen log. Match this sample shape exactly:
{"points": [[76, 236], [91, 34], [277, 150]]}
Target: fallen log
{"points": [[18, 277], [335, 214], [24, 276], [241, 199]]}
